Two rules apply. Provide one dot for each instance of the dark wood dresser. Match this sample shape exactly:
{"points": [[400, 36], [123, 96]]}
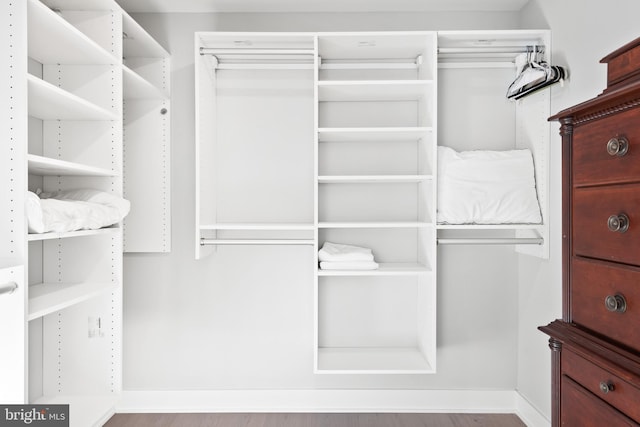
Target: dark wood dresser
{"points": [[596, 345]]}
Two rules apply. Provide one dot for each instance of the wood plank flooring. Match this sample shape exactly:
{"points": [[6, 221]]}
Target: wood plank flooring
{"points": [[314, 420]]}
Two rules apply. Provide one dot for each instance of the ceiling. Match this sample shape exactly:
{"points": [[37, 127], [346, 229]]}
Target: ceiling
{"points": [[200, 6]]}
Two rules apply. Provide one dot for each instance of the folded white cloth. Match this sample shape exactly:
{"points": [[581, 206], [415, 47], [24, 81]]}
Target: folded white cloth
{"points": [[74, 210], [335, 252], [349, 265]]}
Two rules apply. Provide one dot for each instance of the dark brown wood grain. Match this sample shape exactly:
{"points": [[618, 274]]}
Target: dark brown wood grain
{"points": [[566, 131], [591, 236], [314, 420], [582, 409], [623, 395], [593, 281], [622, 64], [591, 162], [590, 341]]}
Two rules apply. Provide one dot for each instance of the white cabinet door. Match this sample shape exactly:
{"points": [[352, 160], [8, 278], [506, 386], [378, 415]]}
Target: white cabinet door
{"points": [[13, 334]]}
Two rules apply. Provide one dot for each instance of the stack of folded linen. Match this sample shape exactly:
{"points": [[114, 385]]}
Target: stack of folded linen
{"points": [[336, 256]]}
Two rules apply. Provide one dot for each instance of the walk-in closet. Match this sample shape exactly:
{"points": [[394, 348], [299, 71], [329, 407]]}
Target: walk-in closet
{"points": [[323, 207]]}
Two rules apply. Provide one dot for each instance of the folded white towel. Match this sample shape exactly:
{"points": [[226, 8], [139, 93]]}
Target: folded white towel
{"points": [[339, 252], [349, 265]]}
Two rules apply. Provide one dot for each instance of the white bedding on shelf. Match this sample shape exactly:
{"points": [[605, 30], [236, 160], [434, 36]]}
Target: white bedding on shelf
{"points": [[336, 252], [487, 187], [338, 256], [74, 210]]}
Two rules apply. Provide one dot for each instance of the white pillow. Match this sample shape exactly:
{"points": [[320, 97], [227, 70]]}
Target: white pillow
{"points": [[486, 187], [121, 206], [73, 210]]}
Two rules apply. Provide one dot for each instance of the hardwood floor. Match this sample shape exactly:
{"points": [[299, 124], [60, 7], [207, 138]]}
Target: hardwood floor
{"points": [[314, 420]]}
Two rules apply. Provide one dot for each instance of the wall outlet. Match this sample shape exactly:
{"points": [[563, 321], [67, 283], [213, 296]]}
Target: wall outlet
{"points": [[95, 327]]}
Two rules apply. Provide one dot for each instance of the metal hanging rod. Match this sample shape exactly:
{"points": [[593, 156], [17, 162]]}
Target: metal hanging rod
{"points": [[480, 50], [247, 242], [8, 288], [260, 66], [255, 51], [260, 59], [377, 63], [491, 241]]}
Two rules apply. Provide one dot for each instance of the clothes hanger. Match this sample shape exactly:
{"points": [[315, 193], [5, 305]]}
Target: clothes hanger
{"points": [[534, 74]]}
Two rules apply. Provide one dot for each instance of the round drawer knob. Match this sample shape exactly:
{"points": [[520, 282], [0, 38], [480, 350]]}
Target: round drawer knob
{"points": [[618, 147], [616, 303], [619, 223], [606, 387]]}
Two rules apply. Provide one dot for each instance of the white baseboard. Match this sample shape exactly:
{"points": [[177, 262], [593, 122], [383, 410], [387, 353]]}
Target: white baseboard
{"points": [[529, 414], [419, 401]]}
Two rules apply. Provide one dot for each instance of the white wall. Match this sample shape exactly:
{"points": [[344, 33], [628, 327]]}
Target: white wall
{"points": [[218, 324], [583, 31]]}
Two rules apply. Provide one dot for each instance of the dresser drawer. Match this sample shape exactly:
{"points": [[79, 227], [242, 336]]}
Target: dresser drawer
{"points": [[592, 209], [592, 163], [602, 384], [582, 409], [606, 299]]}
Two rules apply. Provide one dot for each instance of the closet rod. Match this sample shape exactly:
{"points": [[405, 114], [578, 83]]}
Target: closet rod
{"points": [[263, 66], [491, 241], [8, 288], [254, 51], [380, 64], [507, 50], [220, 242]]}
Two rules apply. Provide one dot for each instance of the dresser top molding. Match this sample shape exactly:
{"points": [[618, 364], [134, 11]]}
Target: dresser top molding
{"points": [[622, 93]]}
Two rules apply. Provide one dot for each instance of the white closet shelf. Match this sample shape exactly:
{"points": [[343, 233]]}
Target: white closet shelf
{"points": [[46, 166], [80, 4], [46, 298], [136, 87], [384, 269], [258, 226], [374, 90], [372, 360], [375, 224], [52, 40], [373, 134], [355, 179], [386, 45], [69, 234], [49, 102], [257, 242], [488, 226], [137, 42], [84, 410]]}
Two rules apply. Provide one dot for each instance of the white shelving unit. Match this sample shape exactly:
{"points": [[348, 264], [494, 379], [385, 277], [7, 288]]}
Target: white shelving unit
{"points": [[271, 165], [343, 148], [49, 102], [69, 46], [64, 112], [146, 139], [68, 234], [489, 56], [385, 269], [376, 118], [354, 179], [44, 166], [382, 360], [84, 410], [376, 224], [372, 134], [46, 298]]}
